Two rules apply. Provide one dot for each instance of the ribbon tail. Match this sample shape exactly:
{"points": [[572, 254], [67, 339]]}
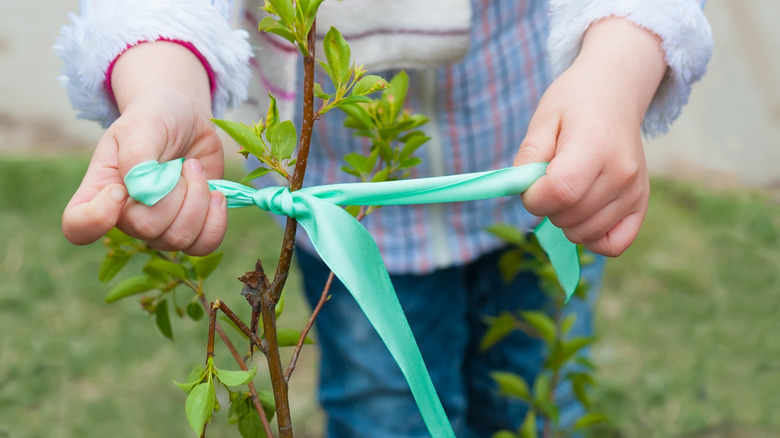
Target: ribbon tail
{"points": [[348, 249], [563, 255]]}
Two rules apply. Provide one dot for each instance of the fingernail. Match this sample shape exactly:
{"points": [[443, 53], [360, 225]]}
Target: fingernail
{"points": [[196, 166], [116, 194]]}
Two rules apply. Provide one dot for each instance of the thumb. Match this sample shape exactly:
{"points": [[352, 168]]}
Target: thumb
{"points": [[98, 202], [538, 146], [85, 222], [540, 140]]}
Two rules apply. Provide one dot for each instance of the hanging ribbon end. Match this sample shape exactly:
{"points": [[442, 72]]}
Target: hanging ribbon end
{"points": [[562, 253]]}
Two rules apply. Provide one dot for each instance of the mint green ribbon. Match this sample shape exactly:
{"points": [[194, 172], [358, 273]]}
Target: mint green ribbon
{"points": [[351, 253]]}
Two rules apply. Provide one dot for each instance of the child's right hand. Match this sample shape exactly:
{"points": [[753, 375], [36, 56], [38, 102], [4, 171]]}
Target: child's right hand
{"points": [[164, 99]]}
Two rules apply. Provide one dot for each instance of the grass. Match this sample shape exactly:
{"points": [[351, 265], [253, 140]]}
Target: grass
{"points": [[686, 322]]}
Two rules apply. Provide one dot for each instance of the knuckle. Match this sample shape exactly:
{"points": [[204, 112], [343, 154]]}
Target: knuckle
{"points": [[146, 227], [178, 240], [627, 172], [562, 192]]}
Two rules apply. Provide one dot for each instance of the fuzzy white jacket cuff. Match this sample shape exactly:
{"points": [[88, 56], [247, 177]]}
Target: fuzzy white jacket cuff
{"points": [[681, 25], [103, 32]]}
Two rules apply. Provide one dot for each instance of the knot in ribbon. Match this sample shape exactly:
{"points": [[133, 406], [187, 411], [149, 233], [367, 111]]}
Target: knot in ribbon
{"points": [[277, 200], [351, 253]]}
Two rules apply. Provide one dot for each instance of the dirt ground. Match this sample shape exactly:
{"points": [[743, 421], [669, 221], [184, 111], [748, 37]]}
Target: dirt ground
{"points": [[728, 134]]}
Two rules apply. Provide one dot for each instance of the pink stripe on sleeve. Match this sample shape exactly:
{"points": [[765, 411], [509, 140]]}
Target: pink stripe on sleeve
{"points": [[189, 46]]}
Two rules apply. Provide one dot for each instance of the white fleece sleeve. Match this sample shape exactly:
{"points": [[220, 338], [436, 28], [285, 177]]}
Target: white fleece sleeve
{"points": [[686, 39], [106, 29]]}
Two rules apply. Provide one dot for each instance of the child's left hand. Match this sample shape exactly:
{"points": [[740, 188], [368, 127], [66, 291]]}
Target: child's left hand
{"points": [[588, 126]]}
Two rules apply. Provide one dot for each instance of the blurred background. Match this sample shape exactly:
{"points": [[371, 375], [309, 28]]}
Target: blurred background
{"points": [[687, 320]]}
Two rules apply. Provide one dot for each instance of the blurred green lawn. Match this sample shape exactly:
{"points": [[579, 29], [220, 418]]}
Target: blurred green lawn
{"points": [[686, 322]]}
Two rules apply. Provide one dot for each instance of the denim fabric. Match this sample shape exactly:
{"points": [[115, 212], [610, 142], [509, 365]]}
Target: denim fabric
{"points": [[363, 391]]}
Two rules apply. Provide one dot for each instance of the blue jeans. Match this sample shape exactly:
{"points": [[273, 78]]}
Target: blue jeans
{"points": [[362, 389]]}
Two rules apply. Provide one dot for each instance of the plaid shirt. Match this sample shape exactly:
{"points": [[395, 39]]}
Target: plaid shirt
{"points": [[479, 110]]}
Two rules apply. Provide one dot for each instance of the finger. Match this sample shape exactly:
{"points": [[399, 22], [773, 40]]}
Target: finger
{"points": [[568, 178], [87, 221], [187, 224], [96, 205], [214, 228], [619, 238], [149, 223], [540, 140], [597, 225]]}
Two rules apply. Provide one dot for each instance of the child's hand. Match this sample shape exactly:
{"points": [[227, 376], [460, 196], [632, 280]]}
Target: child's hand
{"points": [[162, 118], [587, 126]]}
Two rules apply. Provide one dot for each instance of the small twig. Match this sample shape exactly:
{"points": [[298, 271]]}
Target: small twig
{"points": [[256, 341], [212, 326], [242, 365], [305, 332]]}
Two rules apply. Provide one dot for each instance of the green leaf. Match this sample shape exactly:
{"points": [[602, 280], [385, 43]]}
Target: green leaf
{"points": [[163, 319], [409, 163], [267, 402], [574, 345], [567, 323], [338, 55], [117, 237], [257, 173], [358, 162], [499, 328], [196, 376], [131, 286], [250, 425], [283, 139], [585, 362], [504, 434], [397, 89], [528, 428], [510, 263], [351, 171], [411, 145], [590, 419], [244, 135], [199, 406], [280, 305], [157, 265], [313, 7], [542, 391], [385, 150], [205, 265], [290, 337], [112, 264], [381, 175], [239, 407], [580, 383], [267, 23], [512, 385], [195, 311], [282, 32], [319, 92], [507, 233], [236, 378], [542, 323], [272, 117], [369, 84], [284, 8], [357, 114]]}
